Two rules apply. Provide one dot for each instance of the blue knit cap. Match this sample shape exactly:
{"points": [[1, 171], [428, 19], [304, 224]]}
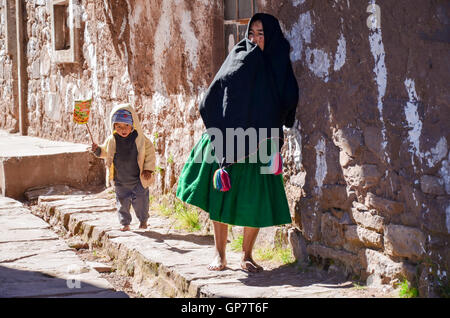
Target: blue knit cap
{"points": [[122, 116]]}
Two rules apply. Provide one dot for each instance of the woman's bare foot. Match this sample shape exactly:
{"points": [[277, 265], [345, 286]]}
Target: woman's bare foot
{"points": [[218, 264], [125, 228], [249, 265]]}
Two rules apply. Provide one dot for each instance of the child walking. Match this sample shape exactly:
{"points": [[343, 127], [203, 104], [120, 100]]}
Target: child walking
{"points": [[130, 157]]}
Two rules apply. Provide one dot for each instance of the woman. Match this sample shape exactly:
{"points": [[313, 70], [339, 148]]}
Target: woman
{"points": [[255, 88]]}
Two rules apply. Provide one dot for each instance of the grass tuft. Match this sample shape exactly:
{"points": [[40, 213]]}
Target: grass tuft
{"points": [[185, 217], [278, 254], [407, 291]]}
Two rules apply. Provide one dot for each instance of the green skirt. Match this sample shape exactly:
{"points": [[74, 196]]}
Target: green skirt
{"points": [[254, 200]]}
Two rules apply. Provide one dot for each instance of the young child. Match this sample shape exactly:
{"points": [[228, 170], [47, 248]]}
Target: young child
{"points": [[130, 157]]}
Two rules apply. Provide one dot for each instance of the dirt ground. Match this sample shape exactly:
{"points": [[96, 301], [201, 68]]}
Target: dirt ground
{"points": [[119, 282]]}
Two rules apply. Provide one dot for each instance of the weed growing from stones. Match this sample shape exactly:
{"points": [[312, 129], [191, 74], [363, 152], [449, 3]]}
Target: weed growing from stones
{"points": [[186, 218], [407, 291]]}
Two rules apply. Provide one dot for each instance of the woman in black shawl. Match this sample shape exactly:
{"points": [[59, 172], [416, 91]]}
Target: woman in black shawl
{"points": [[254, 90]]}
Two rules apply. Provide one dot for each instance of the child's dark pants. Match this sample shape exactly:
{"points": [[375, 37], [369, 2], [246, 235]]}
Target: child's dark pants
{"points": [[132, 195]]}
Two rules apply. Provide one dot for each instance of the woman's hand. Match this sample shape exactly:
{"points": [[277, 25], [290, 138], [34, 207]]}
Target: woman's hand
{"points": [[147, 174]]}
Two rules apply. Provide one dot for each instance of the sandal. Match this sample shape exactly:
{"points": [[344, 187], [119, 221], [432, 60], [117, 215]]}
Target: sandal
{"points": [[250, 266]]}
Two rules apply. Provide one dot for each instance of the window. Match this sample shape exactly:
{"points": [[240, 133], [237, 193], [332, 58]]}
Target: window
{"points": [[64, 33], [237, 14], [62, 28]]}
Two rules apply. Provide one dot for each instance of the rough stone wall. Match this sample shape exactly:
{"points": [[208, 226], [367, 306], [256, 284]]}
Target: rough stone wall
{"points": [[7, 114], [369, 152], [367, 163]]}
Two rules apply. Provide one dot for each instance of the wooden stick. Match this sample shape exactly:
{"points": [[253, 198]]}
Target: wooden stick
{"points": [[92, 139]]}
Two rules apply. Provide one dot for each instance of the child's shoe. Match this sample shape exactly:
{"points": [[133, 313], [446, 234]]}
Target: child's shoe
{"points": [[143, 225]]}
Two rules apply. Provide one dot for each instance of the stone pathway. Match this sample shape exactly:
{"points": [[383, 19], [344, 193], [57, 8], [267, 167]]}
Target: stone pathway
{"points": [[166, 262], [35, 262]]}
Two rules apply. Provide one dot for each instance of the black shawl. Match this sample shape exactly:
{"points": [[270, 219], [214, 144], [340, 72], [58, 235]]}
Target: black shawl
{"points": [[253, 88]]}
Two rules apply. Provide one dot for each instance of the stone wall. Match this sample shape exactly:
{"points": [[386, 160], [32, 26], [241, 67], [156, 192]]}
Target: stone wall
{"points": [[367, 163], [369, 152], [7, 110]]}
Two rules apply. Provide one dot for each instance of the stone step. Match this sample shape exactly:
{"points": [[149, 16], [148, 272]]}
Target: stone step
{"points": [[35, 262], [30, 162], [174, 262]]}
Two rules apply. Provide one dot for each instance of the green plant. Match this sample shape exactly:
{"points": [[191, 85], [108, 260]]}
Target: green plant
{"points": [[264, 253], [285, 255], [155, 135], [187, 218], [278, 254], [407, 291], [164, 210], [236, 244]]}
